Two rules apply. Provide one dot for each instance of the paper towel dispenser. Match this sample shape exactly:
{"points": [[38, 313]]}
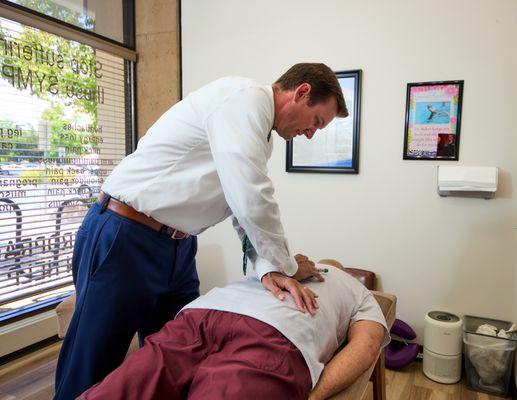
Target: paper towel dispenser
{"points": [[467, 181]]}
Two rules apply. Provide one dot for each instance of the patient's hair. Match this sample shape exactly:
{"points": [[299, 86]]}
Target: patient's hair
{"points": [[322, 79]]}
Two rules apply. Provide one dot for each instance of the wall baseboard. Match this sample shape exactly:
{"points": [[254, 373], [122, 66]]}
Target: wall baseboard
{"points": [[27, 331]]}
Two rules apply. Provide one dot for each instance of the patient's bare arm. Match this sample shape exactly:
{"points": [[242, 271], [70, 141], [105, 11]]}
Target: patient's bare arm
{"points": [[364, 341]]}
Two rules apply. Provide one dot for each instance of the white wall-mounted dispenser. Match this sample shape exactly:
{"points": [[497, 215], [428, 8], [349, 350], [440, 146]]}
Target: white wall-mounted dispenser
{"points": [[467, 181]]}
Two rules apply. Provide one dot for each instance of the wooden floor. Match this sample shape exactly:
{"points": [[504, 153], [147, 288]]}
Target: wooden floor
{"points": [[32, 377], [411, 384]]}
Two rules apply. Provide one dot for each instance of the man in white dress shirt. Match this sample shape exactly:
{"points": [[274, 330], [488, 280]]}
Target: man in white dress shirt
{"points": [[204, 160], [239, 342]]}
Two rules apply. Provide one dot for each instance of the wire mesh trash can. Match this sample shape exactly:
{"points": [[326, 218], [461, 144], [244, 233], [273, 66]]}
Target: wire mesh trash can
{"points": [[488, 359]]}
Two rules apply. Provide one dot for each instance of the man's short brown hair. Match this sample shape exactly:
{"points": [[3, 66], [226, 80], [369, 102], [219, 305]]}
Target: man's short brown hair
{"points": [[322, 79]]}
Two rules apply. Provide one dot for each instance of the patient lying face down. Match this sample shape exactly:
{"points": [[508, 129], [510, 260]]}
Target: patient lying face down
{"points": [[240, 342]]}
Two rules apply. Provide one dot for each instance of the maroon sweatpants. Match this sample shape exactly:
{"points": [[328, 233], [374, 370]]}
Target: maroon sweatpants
{"points": [[206, 354]]}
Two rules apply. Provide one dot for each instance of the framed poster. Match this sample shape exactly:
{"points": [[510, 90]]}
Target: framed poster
{"points": [[334, 149], [433, 116]]}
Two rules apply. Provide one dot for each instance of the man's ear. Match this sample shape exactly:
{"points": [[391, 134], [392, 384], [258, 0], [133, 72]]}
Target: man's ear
{"points": [[302, 92]]}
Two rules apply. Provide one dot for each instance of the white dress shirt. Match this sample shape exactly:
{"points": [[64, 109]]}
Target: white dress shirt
{"points": [[204, 160], [342, 301]]}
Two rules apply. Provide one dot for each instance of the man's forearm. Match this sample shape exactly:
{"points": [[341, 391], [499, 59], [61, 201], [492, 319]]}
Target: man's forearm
{"points": [[346, 366]]}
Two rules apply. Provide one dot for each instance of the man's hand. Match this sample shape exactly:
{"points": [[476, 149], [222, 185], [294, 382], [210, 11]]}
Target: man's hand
{"points": [[306, 269], [304, 297]]}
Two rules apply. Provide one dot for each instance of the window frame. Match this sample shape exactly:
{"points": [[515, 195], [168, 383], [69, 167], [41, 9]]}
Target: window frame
{"points": [[68, 31]]}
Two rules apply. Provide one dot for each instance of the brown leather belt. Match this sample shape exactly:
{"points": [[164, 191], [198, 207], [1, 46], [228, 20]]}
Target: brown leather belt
{"points": [[130, 213]]}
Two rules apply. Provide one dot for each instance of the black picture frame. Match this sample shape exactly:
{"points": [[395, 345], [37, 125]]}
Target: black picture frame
{"points": [[433, 120], [303, 155]]}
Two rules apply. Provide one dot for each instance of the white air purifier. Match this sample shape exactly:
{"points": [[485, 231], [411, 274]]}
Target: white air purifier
{"points": [[442, 347]]}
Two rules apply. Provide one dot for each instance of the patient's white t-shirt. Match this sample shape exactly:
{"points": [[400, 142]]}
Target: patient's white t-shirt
{"points": [[342, 301]]}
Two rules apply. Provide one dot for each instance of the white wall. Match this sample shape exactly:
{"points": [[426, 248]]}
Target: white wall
{"points": [[451, 254]]}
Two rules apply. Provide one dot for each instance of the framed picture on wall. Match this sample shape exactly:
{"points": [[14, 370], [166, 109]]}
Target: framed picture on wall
{"points": [[433, 117], [334, 149]]}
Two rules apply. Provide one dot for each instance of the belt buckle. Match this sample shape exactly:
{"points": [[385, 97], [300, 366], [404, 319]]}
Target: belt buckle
{"points": [[173, 236]]}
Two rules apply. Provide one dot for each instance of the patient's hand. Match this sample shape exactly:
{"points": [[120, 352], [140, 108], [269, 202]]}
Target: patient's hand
{"points": [[304, 297], [306, 269]]}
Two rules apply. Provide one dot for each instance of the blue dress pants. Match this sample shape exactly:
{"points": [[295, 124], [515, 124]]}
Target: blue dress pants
{"points": [[128, 279]]}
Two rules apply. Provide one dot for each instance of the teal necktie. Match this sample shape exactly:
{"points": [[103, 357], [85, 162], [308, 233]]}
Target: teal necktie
{"points": [[245, 245], [248, 252]]}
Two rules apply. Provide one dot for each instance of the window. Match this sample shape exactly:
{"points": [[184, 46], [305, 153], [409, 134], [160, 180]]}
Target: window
{"points": [[111, 19], [65, 123]]}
